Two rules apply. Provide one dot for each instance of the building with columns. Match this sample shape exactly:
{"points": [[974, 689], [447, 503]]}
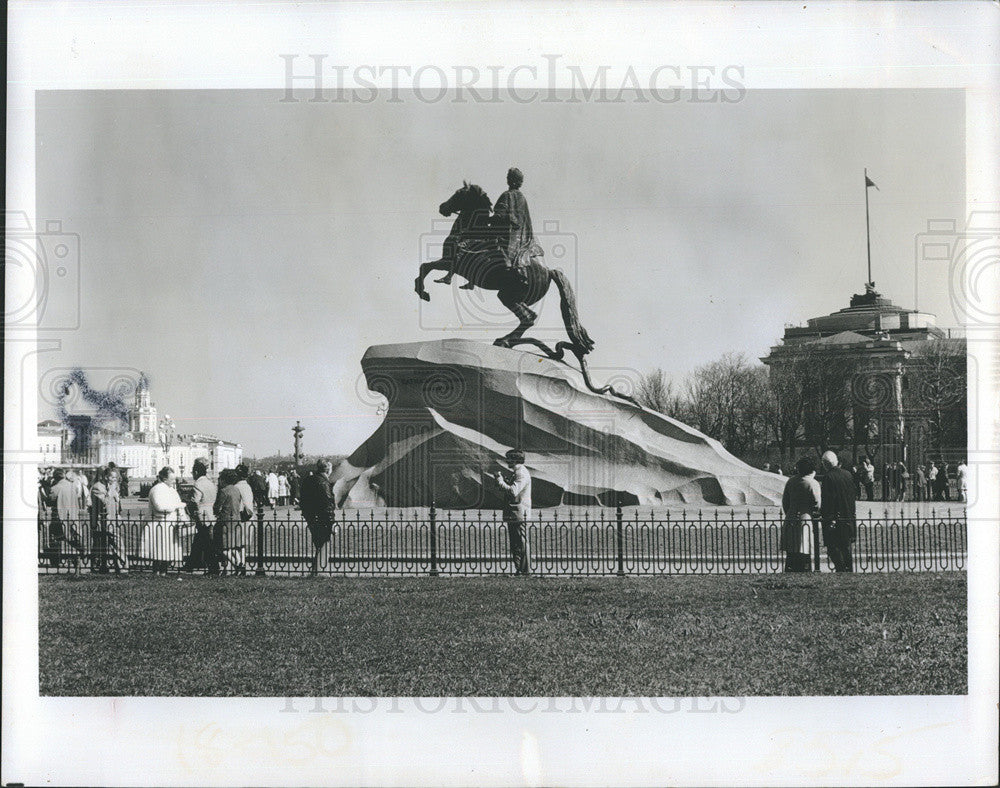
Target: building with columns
{"points": [[142, 448], [872, 379], [50, 442]]}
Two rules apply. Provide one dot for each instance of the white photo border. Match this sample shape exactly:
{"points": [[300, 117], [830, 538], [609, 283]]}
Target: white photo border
{"points": [[169, 45]]}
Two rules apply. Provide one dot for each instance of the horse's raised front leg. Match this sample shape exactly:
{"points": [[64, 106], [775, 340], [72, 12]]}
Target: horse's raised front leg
{"points": [[426, 268]]}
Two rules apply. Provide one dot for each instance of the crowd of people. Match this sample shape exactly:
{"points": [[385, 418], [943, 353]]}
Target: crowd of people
{"points": [[934, 480], [827, 493], [207, 528], [67, 500], [282, 487]]}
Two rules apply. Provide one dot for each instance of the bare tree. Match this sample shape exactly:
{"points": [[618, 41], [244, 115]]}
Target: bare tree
{"points": [[656, 392], [936, 391], [826, 377], [760, 413], [729, 400], [812, 388], [788, 397]]}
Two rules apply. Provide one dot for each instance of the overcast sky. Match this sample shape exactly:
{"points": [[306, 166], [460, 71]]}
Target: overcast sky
{"points": [[245, 252]]}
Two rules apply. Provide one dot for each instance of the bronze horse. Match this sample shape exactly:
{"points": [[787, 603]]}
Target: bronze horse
{"points": [[471, 251]]}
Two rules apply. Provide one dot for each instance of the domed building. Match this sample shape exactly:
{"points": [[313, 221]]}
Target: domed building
{"points": [[872, 378]]}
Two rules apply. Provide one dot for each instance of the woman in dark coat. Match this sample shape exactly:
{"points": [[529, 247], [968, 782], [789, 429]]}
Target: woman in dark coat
{"points": [[799, 502], [229, 511]]}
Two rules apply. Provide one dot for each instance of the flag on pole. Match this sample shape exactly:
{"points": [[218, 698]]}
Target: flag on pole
{"points": [[870, 182]]}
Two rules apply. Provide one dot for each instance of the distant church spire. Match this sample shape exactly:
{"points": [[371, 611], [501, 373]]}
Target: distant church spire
{"points": [[142, 417]]}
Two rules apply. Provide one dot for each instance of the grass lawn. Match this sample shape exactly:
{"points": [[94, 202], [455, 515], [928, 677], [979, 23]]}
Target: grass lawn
{"points": [[884, 634]]}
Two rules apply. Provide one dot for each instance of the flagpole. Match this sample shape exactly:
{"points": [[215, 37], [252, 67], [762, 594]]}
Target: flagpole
{"points": [[868, 231]]}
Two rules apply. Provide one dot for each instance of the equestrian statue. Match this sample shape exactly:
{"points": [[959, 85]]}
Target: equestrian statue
{"points": [[494, 248]]}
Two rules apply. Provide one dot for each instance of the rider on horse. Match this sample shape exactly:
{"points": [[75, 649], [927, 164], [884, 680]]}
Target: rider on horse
{"points": [[514, 269], [511, 228], [512, 222]]}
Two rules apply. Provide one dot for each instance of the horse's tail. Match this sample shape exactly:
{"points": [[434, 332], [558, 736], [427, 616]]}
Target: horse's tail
{"points": [[567, 302]]}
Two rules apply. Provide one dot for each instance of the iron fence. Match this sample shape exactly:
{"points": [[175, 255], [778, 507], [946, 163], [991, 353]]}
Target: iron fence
{"points": [[443, 542]]}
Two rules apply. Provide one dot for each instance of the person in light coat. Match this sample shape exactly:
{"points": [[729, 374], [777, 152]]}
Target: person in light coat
{"points": [[516, 486], [108, 535], [65, 530], [82, 486], [250, 491], [273, 490], [162, 538], [868, 476], [962, 478]]}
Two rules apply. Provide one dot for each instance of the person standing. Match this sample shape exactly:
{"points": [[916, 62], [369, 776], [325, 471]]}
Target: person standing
{"points": [[249, 488], [838, 512], [940, 481], [258, 485], [920, 483], [944, 481], [117, 536], [903, 475], [319, 508], [243, 485], [105, 507], [44, 516], [932, 482], [162, 537], [855, 471], [962, 479], [201, 509], [799, 502], [294, 485], [282, 489], [82, 487], [272, 488], [65, 529], [229, 537], [42, 504], [516, 486], [868, 470]]}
